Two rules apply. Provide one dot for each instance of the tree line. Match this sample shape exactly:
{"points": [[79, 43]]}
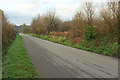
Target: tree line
{"points": [[87, 26], [8, 32], [105, 22]]}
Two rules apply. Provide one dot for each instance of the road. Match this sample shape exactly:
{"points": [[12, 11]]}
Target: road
{"points": [[52, 60]]}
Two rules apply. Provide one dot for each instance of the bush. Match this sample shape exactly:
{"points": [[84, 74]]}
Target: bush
{"points": [[90, 32], [8, 33]]}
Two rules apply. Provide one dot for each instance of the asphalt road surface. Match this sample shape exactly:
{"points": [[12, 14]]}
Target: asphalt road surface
{"points": [[52, 60]]}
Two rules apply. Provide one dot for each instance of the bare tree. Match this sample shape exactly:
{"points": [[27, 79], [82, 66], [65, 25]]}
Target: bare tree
{"points": [[50, 21], [89, 12], [38, 25], [79, 15], [109, 15], [113, 7], [105, 14], [77, 27]]}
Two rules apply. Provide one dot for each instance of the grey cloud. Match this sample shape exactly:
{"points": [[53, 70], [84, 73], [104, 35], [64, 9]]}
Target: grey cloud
{"points": [[18, 18]]}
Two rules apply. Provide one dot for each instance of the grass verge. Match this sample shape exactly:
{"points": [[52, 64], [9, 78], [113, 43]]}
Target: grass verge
{"points": [[110, 50], [16, 63]]}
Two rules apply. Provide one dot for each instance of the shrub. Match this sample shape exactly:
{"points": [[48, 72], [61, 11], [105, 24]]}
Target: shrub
{"points": [[8, 33], [90, 32]]}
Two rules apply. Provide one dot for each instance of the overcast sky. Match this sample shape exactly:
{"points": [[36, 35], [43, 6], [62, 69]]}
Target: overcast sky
{"points": [[22, 11]]}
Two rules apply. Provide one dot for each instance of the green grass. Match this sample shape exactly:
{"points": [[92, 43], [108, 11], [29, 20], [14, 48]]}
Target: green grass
{"points": [[109, 50], [16, 63], [60, 40]]}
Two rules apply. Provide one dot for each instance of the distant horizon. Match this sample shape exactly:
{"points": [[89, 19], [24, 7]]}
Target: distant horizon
{"points": [[21, 24]]}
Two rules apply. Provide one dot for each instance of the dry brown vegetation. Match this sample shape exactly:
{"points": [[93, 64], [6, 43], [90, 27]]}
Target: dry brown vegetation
{"points": [[99, 28], [8, 31]]}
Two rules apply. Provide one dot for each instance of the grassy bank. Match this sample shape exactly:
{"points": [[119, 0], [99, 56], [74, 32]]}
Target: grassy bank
{"points": [[16, 63], [109, 50]]}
